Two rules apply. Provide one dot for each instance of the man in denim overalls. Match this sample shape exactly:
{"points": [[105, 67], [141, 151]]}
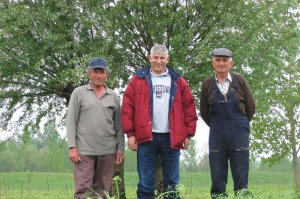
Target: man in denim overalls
{"points": [[227, 106]]}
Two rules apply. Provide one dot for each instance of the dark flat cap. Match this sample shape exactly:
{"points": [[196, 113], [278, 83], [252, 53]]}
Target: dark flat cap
{"points": [[222, 52], [98, 62]]}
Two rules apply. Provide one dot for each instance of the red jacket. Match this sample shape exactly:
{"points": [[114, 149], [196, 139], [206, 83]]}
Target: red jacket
{"points": [[137, 109]]}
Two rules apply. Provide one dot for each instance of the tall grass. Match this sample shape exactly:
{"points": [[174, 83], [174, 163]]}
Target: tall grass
{"points": [[263, 185]]}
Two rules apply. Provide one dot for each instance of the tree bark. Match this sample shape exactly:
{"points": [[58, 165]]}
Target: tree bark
{"points": [[296, 172], [295, 164], [118, 185], [293, 142]]}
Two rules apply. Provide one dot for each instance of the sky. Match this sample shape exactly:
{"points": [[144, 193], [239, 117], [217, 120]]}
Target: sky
{"points": [[201, 137]]}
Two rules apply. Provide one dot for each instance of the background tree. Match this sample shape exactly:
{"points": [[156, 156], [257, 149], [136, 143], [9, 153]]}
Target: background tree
{"points": [[45, 47], [276, 129], [9, 155], [54, 151], [191, 160], [204, 163], [283, 165], [39, 153]]}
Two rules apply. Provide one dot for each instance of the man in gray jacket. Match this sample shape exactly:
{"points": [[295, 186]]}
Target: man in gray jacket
{"points": [[94, 134]]}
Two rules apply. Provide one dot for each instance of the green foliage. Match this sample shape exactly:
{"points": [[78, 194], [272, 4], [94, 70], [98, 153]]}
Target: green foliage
{"points": [[276, 132], [179, 190], [282, 165], [46, 152], [244, 194], [204, 163], [191, 160], [45, 45]]}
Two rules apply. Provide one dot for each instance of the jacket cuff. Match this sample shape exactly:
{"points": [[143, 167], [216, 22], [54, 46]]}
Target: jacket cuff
{"points": [[130, 134], [190, 135]]}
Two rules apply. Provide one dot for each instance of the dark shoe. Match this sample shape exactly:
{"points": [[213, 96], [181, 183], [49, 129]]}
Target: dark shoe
{"points": [[243, 193], [219, 195]]}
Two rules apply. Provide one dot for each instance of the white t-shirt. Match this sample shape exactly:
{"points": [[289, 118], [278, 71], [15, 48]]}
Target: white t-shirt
{"points": [[161, 85]]}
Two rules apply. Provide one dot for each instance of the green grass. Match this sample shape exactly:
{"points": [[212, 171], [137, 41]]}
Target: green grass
{"points": [[36, 185], [264, 185]]}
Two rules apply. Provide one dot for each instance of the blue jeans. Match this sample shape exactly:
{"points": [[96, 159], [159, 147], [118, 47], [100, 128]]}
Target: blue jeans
{"points": [[147, 160]]}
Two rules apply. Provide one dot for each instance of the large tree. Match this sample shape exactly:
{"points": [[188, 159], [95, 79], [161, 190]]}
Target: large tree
{"points": [[45, 46], [276, 131], [274, 74], [44, 50]]}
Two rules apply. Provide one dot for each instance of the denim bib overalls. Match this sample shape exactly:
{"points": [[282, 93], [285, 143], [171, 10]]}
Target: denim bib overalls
{"points": [[228, 140]]}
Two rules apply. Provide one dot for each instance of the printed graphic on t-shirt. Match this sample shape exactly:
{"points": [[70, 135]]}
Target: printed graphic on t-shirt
{"points": [[159, 90]]}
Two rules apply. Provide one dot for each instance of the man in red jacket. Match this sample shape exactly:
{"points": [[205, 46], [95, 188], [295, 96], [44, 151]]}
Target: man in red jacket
{"points": [[159, 117]]}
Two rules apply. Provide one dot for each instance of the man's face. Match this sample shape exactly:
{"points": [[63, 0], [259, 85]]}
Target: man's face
{"points": [[98, 77], [158, 62], [222, 65]]}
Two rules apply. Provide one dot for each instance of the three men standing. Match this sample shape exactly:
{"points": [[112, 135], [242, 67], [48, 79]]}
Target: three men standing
{"points": [[159, 117]]}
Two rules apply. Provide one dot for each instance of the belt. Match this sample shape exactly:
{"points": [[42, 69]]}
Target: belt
{"points": [[161, 133]]}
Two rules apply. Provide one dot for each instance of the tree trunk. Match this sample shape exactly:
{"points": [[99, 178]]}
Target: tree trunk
{"points": [[293, 142], [118, 185], [295, 165]]}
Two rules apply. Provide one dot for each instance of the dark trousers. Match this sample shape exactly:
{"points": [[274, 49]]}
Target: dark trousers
{"points": [[239, 164], [93, 176]]}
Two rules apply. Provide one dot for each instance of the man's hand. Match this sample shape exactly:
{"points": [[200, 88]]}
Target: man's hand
{"points": [[132, 144], [186, 143], [73, 155], [119, 158]]}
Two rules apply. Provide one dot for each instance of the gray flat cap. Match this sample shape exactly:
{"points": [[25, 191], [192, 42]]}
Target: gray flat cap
{"points": [[222, 52]]}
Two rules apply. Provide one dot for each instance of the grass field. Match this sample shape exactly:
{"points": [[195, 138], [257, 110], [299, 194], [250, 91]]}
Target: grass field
{"points": [[264, 185]]}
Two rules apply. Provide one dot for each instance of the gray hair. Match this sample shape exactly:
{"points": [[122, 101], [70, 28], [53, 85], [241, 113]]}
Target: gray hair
{"points": [[229, 58], [89, 69], [159, 49]]}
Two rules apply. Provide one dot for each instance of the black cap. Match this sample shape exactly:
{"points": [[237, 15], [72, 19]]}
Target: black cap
{"points": [[222, 52]]}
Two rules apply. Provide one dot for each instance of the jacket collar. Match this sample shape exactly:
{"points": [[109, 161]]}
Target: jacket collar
{"points": [[107, 90], [143, 72], [229, 78]]}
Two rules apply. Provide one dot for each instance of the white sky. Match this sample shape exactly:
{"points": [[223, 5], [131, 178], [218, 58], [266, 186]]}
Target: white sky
{"points": [[201, 137]]}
